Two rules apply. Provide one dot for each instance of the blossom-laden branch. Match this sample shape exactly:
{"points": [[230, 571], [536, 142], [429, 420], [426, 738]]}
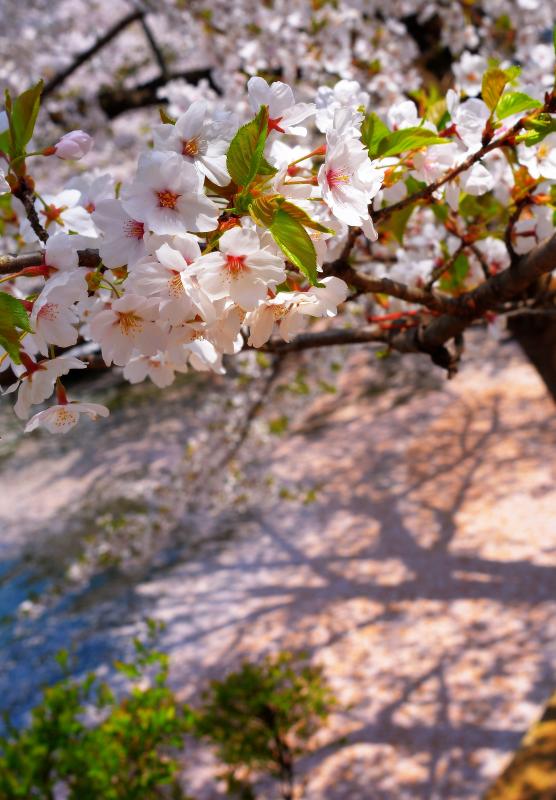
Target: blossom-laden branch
{"points": [[219, 241], [431, 337]]}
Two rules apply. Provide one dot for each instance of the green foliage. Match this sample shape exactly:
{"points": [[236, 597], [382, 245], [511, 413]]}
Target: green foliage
{"points": [[22, 115], [14, 321], [537, 129], [245, 155], [127, 755], [84, 740], [407, 139], [294, 241], [493, 84], [261, 718], [453, 280], [514, 103], [373, 130]]}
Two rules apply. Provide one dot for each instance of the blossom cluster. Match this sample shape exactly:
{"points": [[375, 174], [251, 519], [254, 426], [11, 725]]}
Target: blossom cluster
{"points": [[218, 241]]}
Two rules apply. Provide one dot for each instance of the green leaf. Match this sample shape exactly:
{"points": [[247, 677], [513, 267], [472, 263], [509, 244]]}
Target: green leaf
{"points": [[245, 155], [494, 81], [292, 238], [165, 117], [373, 130], [301, 216], [407, 139], [14, 321], [263, 209], [537, 129], [398, 222], [454, 279], [23, 117], [514, 103]]}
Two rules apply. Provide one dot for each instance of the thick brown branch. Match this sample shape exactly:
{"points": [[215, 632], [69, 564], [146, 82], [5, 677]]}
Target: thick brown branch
{"points": [[306, 341], [116, 100], [342, 269], [487, 296]]}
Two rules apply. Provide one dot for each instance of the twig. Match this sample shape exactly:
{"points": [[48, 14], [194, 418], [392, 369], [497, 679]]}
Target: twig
{"points": [[15, 263], [157, 52], [24, 193]]}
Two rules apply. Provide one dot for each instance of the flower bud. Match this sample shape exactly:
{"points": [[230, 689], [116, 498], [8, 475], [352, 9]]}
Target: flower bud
{"points": [[73, 145]]}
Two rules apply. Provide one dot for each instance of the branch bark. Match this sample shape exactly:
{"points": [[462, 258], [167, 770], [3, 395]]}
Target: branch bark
{"points": [[81, 58]]}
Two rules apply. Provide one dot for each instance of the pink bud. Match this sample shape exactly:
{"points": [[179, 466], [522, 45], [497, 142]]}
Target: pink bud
{"points": [[74, 145]]}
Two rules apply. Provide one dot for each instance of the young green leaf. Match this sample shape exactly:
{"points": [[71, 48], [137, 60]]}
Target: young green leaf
{"points": [[292, 238], [23, 117], [407, 139], [494, 81], [373, 130], [245, 155], [302, 216], [515, 103], [14, 321]]}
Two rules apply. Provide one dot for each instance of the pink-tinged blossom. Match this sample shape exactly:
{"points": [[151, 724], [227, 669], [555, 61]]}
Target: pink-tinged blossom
{"points": [[61, 253], [162, 278], [167, 196], [59, 212], [123, 238], [288, 309], [541, 160], [348, 182], [469, 71], [53, 319], [345, 94], [73, 145], [37, 383], [158, 368], [62, 418], [242, 270], [283, 112], [201, 141], [92, 188], [128, 325]]}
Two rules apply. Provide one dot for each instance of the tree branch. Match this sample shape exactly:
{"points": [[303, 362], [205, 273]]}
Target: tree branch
{"points": [[117, 100], [15, 263], [81, 58]]}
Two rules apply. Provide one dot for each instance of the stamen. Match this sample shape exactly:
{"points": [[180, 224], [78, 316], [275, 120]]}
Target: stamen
{"points": [[167, 199]]}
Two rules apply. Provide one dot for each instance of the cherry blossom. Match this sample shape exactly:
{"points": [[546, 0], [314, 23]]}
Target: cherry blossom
{"points": [[73, 145], [62, 418], [242, 270], [166, 195], [201, 141], [283, 112]]}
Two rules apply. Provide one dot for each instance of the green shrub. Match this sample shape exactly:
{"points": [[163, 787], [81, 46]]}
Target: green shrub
{"points": [[129, 754], [261, 718], [92, 745]]}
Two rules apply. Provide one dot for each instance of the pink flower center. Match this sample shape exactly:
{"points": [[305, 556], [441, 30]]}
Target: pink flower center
{"points": [[49, 312], [167, 199], [134, 229], [335, 176], [235, 264]]}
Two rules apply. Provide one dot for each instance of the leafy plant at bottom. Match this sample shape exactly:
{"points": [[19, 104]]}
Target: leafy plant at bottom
{"points": [[261, 718]]}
